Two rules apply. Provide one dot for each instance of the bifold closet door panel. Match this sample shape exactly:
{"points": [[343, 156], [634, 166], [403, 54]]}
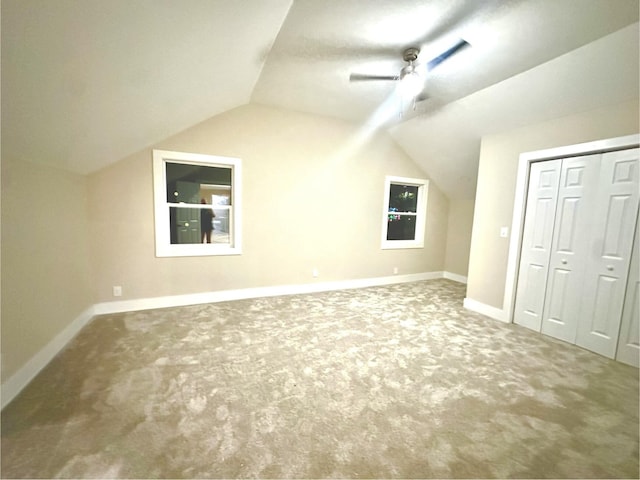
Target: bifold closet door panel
{"points": [[629, 338], [609, 253], [536, 243], [569, 247]]}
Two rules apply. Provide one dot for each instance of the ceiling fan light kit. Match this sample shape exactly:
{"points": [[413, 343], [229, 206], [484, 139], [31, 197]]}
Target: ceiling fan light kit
{"points": [[411, 84], [412, 76]]}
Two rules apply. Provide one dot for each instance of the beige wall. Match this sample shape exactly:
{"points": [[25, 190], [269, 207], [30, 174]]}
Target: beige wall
{"points": [[496, 185], [46, 279], [306, 204], [459, 236]]}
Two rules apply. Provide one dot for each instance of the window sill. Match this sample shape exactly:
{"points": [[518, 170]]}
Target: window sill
{"points": [[197, 250], [399, 244]]}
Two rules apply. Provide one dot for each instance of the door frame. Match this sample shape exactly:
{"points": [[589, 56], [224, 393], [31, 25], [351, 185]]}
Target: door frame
{"points": [[522, 183]]}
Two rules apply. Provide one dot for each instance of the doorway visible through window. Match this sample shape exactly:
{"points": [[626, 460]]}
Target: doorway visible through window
{"points": [[197, 204]]}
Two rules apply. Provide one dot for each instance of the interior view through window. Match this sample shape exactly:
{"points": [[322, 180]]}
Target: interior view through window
{"points": [[202, 198]]}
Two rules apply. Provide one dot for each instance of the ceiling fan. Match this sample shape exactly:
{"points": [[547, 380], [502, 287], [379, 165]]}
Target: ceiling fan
{"points": [[412, 75]]}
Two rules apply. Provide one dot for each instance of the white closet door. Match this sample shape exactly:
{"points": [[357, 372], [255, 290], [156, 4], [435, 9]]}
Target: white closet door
{"points": [[569, 249], [629, 339], [609, 252], [536, 243]]}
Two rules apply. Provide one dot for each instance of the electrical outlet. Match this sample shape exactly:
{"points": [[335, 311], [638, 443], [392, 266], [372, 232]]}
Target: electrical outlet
{"points": [[315, 273], [117, 291], [395, 270], [504, 232]]}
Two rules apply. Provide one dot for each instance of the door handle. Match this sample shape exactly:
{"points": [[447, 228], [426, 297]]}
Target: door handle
{"points": [[563, 261], [610, 268]]}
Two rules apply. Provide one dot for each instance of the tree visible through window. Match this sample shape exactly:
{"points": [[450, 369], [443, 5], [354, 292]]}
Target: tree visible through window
{"points": [[404, 212]]}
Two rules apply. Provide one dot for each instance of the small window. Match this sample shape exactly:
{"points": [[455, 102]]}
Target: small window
{"points": [[405, 208], [197, 204]]}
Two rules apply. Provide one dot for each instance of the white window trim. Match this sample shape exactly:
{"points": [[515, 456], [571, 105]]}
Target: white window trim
{"points": [[164, 247], [421, 214]]}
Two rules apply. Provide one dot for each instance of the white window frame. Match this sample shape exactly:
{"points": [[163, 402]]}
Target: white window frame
{"points": [[421, 214], [164, 247]]}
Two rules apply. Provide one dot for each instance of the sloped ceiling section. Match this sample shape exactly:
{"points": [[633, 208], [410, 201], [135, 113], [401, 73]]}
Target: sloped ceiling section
{"points": [[446, 143], [322, 42], [88, 82]]}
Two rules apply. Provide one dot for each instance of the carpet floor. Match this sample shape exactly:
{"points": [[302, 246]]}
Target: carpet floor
{"points": [[397, 381]]}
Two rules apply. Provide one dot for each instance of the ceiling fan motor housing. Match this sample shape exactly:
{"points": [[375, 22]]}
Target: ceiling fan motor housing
{"points": [[411, 54]]}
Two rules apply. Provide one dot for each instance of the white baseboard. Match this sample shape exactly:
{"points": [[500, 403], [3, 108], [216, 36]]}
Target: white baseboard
{"points": [[29, 370], [22, 377], [455, 277], [14, 385], [487, 310], [243, 293]]}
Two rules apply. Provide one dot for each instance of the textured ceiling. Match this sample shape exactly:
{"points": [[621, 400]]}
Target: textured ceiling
{"points": [[321, 43], [446, 142], [88, 82]]}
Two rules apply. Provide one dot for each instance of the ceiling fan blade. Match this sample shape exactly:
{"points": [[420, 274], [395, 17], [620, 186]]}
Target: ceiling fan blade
{"points": [[360, 77], [433, 63]]}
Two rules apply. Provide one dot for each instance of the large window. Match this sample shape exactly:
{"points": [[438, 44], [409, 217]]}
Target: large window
{"points": [[404, 214], [197, 204]]}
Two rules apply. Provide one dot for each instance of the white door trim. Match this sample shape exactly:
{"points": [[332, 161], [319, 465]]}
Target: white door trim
{"points": [[522, 180]]}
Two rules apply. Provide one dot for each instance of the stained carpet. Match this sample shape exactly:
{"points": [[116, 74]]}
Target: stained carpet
{"points": [[387, 382]]}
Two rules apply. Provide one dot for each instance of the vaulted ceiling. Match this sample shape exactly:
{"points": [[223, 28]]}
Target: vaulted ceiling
{"points": [[88, 82]]}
